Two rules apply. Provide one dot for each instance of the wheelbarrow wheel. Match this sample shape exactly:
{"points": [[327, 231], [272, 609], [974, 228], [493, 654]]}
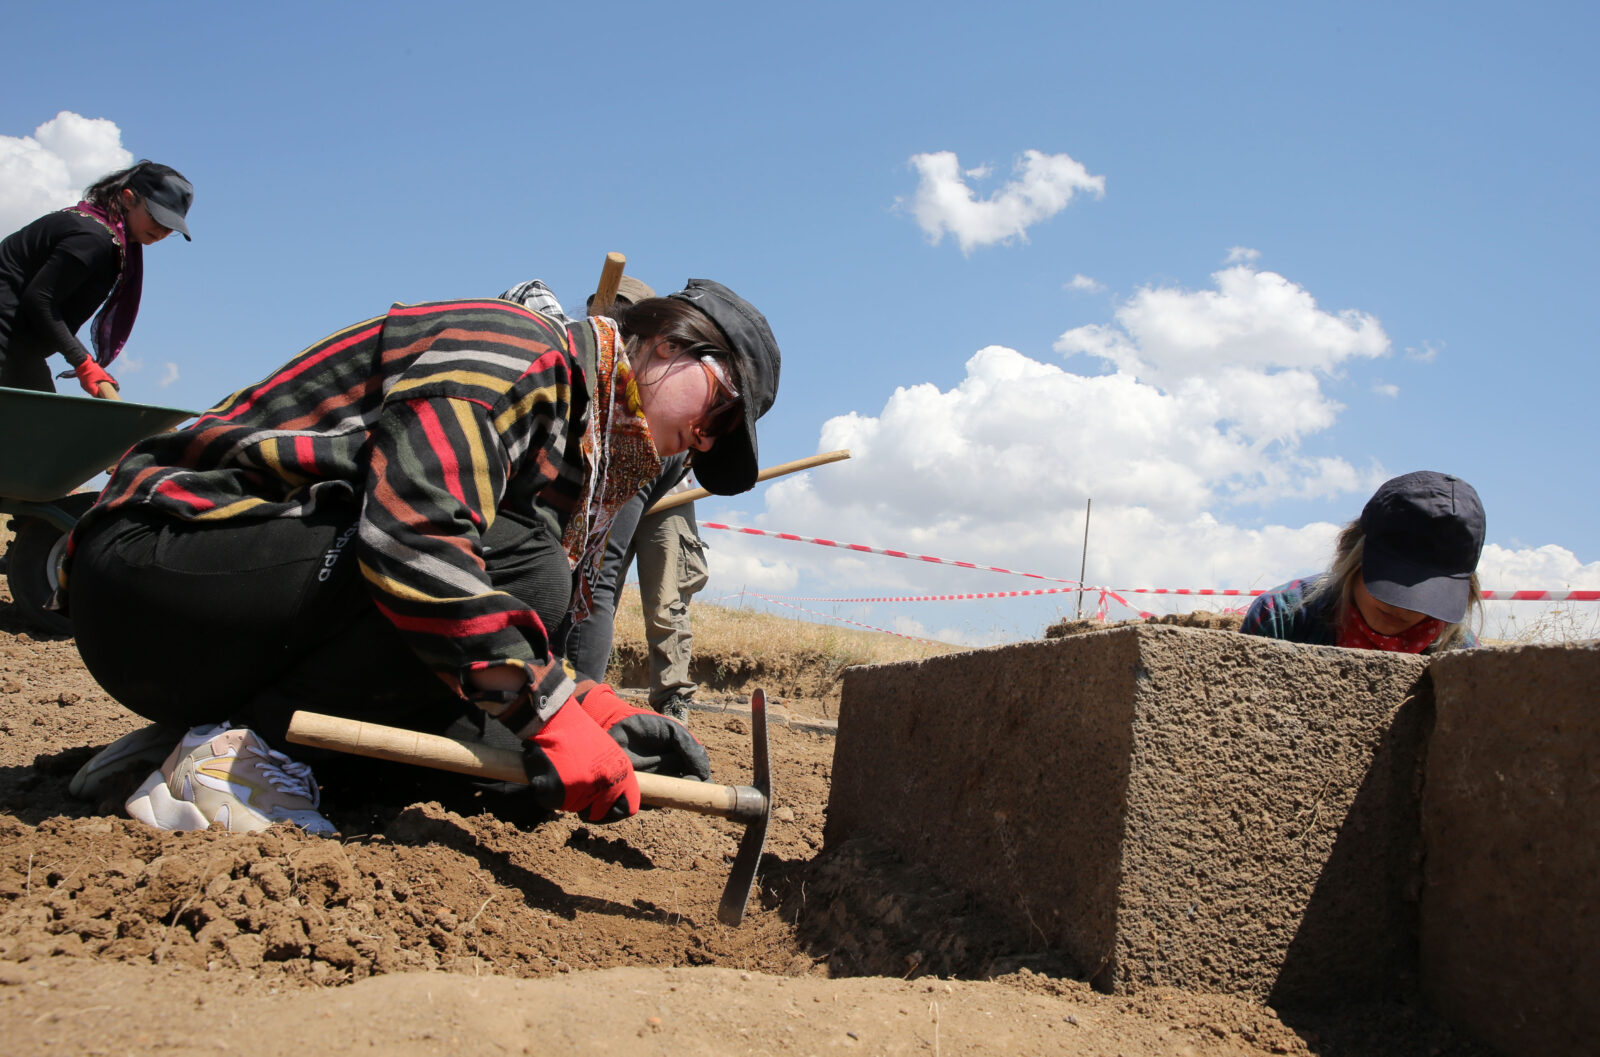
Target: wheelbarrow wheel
{"points": [[33, 568]]}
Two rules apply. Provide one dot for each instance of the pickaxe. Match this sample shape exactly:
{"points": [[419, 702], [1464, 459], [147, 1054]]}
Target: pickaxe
{"points": [[749, 804]]}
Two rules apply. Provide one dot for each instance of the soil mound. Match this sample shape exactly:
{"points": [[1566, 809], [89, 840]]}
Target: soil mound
{"points": [[1197, 619], [456, 916]]}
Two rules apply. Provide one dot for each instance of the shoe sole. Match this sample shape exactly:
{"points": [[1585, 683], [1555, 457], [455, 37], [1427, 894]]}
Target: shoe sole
{"points": [[154, 805]]}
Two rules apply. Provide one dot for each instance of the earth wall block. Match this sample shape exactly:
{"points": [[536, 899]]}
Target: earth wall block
{"points": [[1162, 806], [1509, 914]]}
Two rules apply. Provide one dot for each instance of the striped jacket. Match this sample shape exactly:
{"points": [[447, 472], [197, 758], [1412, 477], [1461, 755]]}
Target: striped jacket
{"points": [[429, 418]]}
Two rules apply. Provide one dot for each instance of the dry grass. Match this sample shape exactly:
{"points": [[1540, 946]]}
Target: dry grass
{"points": [[736, 649], [720, 628], [1562, 624]]}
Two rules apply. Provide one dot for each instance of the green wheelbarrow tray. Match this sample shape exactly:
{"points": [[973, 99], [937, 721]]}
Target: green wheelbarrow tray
{"points": [[49, 445]]}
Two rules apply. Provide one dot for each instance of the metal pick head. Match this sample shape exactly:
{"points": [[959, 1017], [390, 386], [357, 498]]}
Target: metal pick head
{"points": [[742, 878]]}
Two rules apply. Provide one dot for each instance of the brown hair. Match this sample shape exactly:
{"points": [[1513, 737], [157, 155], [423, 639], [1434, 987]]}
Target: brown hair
{"points": [[106, 192], [1337, 586], [680, 323]]}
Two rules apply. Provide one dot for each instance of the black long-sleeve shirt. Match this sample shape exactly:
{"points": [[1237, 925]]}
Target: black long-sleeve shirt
{"points": [[54, 273]]}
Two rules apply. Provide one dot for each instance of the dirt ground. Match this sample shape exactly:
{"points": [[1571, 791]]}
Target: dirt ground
{"points": [[449, 918]]}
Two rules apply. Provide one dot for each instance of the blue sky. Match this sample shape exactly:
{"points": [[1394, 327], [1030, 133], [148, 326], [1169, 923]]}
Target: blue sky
{"points": [[1221, 268]]}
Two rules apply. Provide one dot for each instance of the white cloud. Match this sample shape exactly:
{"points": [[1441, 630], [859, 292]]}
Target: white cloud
{"points": [[1386, 389], [944, 203], [1085, 284], [49, 169], [1253, 320], [1203, 412], [169, 374], [1548, 567]]}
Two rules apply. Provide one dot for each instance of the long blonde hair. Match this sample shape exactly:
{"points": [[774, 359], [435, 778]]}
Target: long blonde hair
{"points": [[1337, 589]]}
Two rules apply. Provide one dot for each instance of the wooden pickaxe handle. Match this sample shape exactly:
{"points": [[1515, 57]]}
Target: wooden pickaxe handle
{"points": [[668, 502], [605, 294], [737, 802]]}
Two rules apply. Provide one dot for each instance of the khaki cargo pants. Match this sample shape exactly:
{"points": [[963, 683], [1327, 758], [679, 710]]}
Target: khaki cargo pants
{"points": [[672, 567]]}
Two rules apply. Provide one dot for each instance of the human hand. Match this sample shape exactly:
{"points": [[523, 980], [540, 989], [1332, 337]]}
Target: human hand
{"points": [[92, 376], [574, 766], [652, 741]]}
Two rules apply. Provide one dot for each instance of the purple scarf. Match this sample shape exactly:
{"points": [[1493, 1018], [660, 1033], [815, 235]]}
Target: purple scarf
{"points": [[115, 320]]}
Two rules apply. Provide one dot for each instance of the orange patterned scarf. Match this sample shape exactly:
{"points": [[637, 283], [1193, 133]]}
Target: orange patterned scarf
{"points": [[619, 458]]}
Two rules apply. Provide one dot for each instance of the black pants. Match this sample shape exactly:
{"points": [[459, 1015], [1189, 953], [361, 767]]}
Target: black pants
{"points": [[587, 644], [21, 369], [188, 624]]}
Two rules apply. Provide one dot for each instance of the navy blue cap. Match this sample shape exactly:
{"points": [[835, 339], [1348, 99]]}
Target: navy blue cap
{"points": [[1423, 534]]}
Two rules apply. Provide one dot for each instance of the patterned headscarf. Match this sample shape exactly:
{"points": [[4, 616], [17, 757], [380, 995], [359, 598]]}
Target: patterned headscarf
{"points": [[114, 322], [620, 456]]}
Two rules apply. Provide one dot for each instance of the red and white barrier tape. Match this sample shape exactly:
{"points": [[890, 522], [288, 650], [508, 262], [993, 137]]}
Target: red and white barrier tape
{"points": [[946, 598], [864, 549], [1503, 595], [1497, 594], [1493, 594]]}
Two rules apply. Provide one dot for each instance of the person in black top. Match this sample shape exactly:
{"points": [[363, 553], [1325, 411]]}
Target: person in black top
{"points": [[57, 270]]}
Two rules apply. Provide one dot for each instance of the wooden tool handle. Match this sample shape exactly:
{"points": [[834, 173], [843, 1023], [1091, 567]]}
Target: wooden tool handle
{"points": [[605, 294], [668, 502], [405, 746], [107, 391], [500, 765]]}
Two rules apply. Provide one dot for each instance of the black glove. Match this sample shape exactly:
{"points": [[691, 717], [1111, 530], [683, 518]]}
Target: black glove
{"points": [[651, 741]]}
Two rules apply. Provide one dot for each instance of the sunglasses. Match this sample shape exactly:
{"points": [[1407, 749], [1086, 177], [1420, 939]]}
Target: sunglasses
{"points": [[727, 406]]}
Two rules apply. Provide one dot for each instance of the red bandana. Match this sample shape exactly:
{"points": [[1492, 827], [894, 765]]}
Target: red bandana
{"points": [[1357, 634]]}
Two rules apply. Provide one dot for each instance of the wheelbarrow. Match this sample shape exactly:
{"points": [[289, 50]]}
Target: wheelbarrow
{"points": [[49, 446]]}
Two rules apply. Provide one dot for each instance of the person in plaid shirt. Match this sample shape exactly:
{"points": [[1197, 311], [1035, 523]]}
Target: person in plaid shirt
{"points": [[323, 540]]}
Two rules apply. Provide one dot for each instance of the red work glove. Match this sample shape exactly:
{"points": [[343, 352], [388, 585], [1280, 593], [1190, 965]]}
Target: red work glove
{"points": [[91, 376], [652, 741], [572, 765]]}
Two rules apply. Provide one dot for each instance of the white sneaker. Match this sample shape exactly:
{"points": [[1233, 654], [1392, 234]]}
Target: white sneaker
{"points": [[145, 747], [228, 776]]}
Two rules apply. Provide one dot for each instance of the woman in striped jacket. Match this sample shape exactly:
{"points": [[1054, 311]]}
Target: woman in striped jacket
{"points": [[385, 527]]}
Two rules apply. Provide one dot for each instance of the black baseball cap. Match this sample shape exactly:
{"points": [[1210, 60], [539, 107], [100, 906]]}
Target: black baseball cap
{"points": [[730, 466], [1423, 533], [167, 195]]}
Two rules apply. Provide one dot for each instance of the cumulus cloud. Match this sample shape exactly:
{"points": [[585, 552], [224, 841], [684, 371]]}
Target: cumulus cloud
{"points": [[1191, 432], [49, 169], [1085, 284], [945, 203], [1252, 320], [1386, 389], [169, 374], [1550, 567], [1197, 414]]}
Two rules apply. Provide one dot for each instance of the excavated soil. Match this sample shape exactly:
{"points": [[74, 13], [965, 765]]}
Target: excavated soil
{"points": [[1197, 619], [453, 918]]}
